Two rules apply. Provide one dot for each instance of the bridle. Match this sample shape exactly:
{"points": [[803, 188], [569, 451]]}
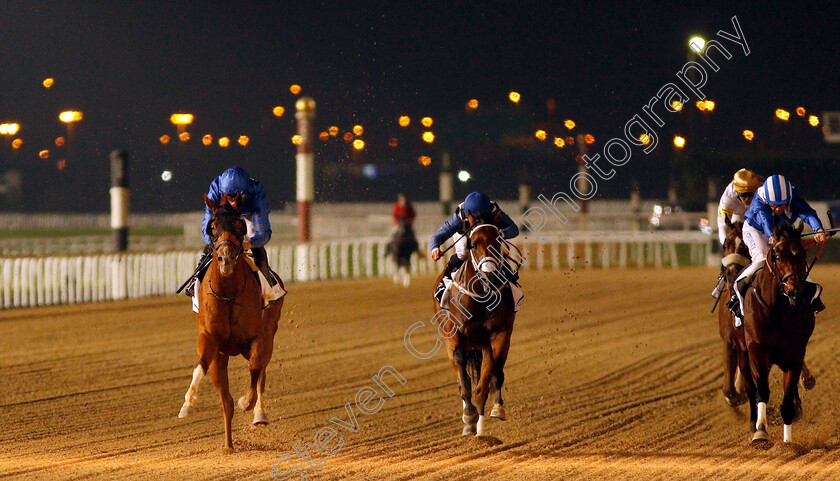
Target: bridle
{"points": [[215, 245], [775, 271]]}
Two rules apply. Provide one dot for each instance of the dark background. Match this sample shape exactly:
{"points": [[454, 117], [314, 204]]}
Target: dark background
{"points": [[129, 67]]}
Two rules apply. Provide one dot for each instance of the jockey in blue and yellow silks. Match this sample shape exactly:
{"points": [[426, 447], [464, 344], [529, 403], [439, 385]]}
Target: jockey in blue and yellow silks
{"points": [[480, 206], [775, 202]]}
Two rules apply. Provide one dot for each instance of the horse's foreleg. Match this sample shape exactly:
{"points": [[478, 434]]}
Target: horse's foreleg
{"points": [[219, 374], [207, 349], [259, 412], [749, 388], [806, 379], [500, 345], [790, 408], [731, 395], [458, 359], [255, 365], [760, 369], [483, 389]]}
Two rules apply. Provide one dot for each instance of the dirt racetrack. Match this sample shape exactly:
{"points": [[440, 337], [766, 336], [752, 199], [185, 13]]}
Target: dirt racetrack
{"points": [[612, 375]]}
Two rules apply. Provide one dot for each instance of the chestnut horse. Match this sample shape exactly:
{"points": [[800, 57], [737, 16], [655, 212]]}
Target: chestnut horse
{"points": [[778, 322], [736, 256], [480, 323], [231, 319]]}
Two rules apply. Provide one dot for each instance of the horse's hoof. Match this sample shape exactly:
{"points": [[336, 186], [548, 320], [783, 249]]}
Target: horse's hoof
{"points": [[242, 404], [498, 412], [734, 400], [469, 419], [481, 427], [469, 430], [808, 382], [260, 418], [760, 438], [185, 411]]}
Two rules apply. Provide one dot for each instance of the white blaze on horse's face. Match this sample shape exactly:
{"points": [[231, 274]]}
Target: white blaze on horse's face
{"points": [[487, 265]]}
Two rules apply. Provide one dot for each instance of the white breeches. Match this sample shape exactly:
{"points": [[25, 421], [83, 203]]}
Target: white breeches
{"points": [[461, 248]]}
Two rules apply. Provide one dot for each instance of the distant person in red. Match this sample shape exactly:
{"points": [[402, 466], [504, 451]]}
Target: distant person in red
{"points": [[403, 211]]}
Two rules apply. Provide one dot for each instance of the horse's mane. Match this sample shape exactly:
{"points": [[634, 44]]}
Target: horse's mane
{"points": [[226, 216], [786, 230]]}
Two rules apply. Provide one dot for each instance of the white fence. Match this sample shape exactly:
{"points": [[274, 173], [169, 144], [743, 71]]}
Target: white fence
{"points": [[30, 281]]}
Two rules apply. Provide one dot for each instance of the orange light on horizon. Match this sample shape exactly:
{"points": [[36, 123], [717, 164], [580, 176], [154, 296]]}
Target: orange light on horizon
{"points": [[814, 120], [297, 139], [748, 134], [569, 124], [800, 111], [278, 111], [404, 120], [44, 154], [61, 164], [358, 129], [426, 121], [164, 139], [243, 140], [9, 129], [348, 136], [560, 143], [782, 114], [514, 97], [679, 142], [393, 142], [181, 119], [570, 140], [358, 144], [540, 134], [705, 105], [224, 142], [333, 130], [207, 139], [676, 105], [645, 139], [59, 142], [589, 139], [324, 136], [17, 143], [184, 136], [294, 89], [48, 82], [424, 160], [428, 137], [472, 104], [70, 116]]}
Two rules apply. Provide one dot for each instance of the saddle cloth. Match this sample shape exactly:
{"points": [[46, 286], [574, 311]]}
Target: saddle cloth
{"points": [[269, 293], [515, 290]]}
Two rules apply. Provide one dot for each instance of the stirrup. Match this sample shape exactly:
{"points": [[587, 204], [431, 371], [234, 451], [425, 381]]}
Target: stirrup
{"points": [[817, 305]]}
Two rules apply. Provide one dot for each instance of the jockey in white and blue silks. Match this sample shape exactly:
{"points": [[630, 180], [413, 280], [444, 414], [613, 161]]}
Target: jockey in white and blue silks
{"points": [[480, 206], [254, 211], [776, 202]]}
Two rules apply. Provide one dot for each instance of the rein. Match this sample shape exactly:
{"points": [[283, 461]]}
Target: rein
{"points": [[239, 252], [228, 299]]}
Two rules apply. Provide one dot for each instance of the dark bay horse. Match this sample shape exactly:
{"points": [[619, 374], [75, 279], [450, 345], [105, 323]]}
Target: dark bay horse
{"points": [[736, 256], [480, 323], [402, 245], [778, 322], [231, 319]]}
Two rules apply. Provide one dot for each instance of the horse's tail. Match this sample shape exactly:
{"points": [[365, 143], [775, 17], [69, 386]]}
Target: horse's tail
{"points": [[474, 365]]}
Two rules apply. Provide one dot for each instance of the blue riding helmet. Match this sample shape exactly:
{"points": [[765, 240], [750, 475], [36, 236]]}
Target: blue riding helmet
{"points": [[234, 181], [477, 203], [777, 190]]}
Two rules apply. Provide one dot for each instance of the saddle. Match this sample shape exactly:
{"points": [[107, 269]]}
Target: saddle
{"points": [[458, 281], [269, 293]]}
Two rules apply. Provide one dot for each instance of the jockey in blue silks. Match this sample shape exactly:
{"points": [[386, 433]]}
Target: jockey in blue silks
{"points": [[480, 206], [254, 211], [775, 202]]}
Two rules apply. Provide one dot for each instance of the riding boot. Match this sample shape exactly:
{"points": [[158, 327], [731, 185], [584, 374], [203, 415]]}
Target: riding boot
{"points": [[734, 304], [261, 260], [816, 302], [200, 269], [452, 265]]}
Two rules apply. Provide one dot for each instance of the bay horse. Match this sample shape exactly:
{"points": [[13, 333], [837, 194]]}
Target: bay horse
{"points": [[479, 324], [778, 322], [736, 256], [402, 245], [231, 319]]}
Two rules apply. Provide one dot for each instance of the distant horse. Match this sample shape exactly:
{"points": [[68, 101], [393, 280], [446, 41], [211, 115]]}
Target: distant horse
{"points": [[480, 323], [231, 320], [402, 245], [736, 256], [778, 323]]}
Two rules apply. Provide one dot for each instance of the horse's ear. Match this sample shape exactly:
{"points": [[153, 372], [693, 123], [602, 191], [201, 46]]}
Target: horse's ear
{"points": [[210, 204], [241, 228], [238, 200]]}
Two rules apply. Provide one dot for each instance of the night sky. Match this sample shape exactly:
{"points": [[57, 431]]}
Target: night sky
{"points": [[129, 67]]}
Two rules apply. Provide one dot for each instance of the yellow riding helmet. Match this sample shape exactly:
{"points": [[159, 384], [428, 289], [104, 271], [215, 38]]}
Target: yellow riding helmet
{"points": [[746, 180]]}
